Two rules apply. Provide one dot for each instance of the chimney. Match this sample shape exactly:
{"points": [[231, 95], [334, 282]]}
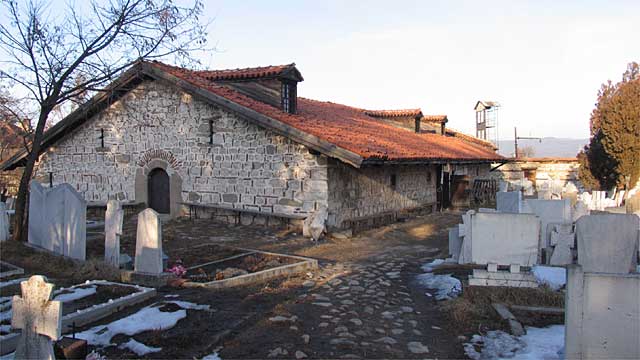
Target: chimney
{"points": [[417, 124], [443, 128]]}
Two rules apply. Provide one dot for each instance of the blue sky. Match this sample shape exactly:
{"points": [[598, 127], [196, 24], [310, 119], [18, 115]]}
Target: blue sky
{"points": [[543, 61]]}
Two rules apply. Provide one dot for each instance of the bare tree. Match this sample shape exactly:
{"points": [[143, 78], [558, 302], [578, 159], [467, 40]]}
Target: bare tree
{"points": [[527, 151], [58, 59]]}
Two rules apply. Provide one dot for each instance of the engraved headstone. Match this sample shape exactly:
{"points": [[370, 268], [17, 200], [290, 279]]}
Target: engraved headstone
{"points": [[149, 243], [39, 317], [113, 230]]}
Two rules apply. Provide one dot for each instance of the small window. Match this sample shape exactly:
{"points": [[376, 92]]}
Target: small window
{"points": [[394, 181], [289, 97], [429, 176]]}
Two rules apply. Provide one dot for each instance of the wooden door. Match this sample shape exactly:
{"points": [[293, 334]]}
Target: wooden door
{"points": [[158, 186]]}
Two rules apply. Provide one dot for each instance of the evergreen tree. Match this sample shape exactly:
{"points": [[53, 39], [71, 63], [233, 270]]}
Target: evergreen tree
{"points": [[612, 158]]}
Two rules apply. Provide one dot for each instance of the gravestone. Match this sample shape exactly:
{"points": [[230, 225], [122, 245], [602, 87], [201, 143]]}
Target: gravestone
{"points": [[112, 231], [149, 243], [579, 210], [549, 212], [509, 202], [37, 214], [464, 230], [57, 220], [455, 243], [562, 240], [39, 318], [504, 239], [602, 315], [608, 243], [66, 213], [4, 222], [11, 203]]}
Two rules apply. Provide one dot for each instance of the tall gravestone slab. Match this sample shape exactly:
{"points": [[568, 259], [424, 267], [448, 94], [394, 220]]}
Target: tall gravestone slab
{"points": [[455, 243], [149, 243], [4, 222], [112, 230], [66, 210], [37, 214], [550, 212], [509, 201], [608, 243], [505, 239], [464, 230], [58, 220]]}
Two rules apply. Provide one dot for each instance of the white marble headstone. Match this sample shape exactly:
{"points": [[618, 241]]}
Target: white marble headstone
{"points": [[608, 243], [149, 243], [112, 230], [58, 220], [39, 318], [509, 201]]}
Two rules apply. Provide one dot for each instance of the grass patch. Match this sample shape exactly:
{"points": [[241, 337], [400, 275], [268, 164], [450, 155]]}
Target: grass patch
{"points": [[472, 311]]}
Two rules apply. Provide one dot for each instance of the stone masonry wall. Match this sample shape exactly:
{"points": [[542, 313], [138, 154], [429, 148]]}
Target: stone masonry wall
{"points": [[245, 167], [360, 198]]}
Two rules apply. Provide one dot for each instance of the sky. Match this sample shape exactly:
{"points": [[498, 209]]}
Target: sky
{"points": [[543, 61]]}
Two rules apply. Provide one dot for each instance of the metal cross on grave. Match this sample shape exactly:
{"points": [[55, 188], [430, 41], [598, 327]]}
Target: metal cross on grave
{"points": [[39, 318]]}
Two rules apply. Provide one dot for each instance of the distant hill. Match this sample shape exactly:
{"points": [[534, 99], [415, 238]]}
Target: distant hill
{"points": [[548, 147]]}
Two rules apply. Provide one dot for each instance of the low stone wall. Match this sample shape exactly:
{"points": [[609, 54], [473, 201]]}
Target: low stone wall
{"points": [[540, 170], [240, 217]]}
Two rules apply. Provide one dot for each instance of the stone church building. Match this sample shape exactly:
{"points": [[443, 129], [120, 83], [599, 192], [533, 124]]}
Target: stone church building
{"points": [[240, 145]]}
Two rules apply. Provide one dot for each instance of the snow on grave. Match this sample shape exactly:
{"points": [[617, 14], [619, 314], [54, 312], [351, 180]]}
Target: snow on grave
{"points": [[79, 307], [447, 287], [539, 343], [146, 319]]}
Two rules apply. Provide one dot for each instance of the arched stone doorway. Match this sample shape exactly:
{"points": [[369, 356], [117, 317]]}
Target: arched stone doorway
{"points": [[159, 191]]}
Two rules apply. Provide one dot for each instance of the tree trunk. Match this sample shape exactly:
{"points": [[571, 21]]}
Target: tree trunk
{"points": [[20, 223]]}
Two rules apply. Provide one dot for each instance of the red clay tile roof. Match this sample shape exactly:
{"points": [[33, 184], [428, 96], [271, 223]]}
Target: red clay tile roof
{"points": [[393, 113], [350, 128], [435, 118], [241, 74]]}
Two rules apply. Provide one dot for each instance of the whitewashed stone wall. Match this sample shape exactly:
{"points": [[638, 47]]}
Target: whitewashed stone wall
{"points": [[246, 167], [360, 198], [562, 171]]}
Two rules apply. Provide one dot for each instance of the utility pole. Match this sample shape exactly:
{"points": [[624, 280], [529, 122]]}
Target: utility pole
{"points": [[515, 140]]}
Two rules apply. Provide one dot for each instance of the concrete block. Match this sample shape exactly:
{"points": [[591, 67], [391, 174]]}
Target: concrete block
{"points": [[492, 267]]}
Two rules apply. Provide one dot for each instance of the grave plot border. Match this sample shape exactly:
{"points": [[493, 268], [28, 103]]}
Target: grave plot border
{"points": [[16, 270], [88, 315], [301, 265]]}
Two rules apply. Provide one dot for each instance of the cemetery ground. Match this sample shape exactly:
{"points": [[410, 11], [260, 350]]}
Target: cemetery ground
{"points": [[362, 301]]}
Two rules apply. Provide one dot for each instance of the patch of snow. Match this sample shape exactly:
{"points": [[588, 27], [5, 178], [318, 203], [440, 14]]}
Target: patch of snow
{"points": [[148, 318], [428, 267], [12, 282], [139, 348], [539, 343], [5, 328], [76, 293], [554, 277], [9, 356], [190, 305], [172, 296], [213, 356], [447, 287], [5, 315]]}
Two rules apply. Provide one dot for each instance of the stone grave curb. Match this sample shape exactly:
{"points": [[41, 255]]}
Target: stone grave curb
{"points": [[95, 313], [260, 276], [16, 270]]}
